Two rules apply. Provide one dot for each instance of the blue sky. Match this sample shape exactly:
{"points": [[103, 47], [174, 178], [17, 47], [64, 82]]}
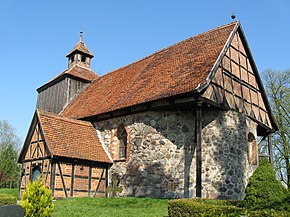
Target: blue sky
{"points": [[36, 36]]}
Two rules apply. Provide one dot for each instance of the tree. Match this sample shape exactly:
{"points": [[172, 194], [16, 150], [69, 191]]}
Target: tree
{"points": [[277, 85], [264, 191], [9, 165], [9, 143]]}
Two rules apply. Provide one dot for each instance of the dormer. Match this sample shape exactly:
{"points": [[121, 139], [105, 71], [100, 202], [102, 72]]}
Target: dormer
{"points": [[80, 55]]}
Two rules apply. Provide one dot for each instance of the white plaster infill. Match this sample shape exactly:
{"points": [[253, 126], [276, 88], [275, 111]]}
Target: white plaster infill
{"points": [[104, 146]]}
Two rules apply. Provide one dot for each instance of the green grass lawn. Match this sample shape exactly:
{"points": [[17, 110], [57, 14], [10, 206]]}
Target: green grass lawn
{"points": [[110, 207], [11, 191]]}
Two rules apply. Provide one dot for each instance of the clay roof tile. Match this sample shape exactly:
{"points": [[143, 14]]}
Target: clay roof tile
{"points": [[178, 69], [72, 138]]}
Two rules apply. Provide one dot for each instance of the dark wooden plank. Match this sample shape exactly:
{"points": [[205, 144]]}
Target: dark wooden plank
{"points": [[35, 149], [82, 177], [36, 159], [42, 163], [99, 182], [41, 140], [270, 147], [72, 180], [62, 179], [21, 177], [47, 172], [40, 151], [198, 149], [30, 150], [37, 144], [30, 170], [107, 180], [82, 162], [52, 178], [90, 181]]}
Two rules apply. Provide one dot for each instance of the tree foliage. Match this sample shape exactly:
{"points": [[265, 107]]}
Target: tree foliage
{"points": [[264, 191], [277, 85], [9, 143]]}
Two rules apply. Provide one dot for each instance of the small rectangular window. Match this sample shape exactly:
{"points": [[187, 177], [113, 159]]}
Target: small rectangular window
{"points": [[83, 59]]}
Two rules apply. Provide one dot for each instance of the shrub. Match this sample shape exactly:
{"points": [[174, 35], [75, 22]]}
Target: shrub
{"points": [[206, 208], [37, 200], [268, 213], [264, 191], [6, 199]]}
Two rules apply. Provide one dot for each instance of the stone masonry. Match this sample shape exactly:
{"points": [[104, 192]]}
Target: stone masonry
{"points": [[160, 158]]}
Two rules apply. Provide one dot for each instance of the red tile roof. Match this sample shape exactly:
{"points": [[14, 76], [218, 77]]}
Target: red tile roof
{"points": [[72, 138], [76, 71], [80, 46], [178, 69], [80, 72]]}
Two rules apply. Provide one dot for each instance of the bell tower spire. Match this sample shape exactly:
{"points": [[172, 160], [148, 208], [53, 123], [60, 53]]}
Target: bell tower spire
{"points": [[80, 55]]}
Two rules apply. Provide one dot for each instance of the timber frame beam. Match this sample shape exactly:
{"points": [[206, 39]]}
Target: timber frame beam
{"points": [[270, 147], [198, 128]]}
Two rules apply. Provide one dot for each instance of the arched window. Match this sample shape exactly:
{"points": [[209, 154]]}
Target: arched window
{"points": [[122, 137], [36, 172], [252, 149]]}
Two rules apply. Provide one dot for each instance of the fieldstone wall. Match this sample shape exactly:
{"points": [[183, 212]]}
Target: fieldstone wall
{"points": [[226, 167], [160, 158], [158, 144]]}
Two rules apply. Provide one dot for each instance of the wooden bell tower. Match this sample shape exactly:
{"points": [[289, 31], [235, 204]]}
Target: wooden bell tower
{"points": [[80, 55]]}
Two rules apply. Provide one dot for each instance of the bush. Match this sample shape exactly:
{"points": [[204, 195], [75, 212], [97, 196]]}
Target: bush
{"points": [[200, 207], [268, 213], [37, 200], [6, 199], [264, 191]]}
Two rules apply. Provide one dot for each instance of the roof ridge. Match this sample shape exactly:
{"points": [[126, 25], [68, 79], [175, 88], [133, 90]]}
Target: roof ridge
{"points": [[64, 118], [162, 49]]}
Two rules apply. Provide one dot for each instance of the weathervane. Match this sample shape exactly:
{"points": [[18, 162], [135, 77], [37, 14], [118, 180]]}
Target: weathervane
{"points": [[233, 16], [81, 35]]}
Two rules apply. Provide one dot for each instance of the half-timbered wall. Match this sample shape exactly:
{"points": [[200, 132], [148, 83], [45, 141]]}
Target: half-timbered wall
{"points": [[37, 154], [79, 181], [57, 96], [68, 180], [235, 84], [65, 179]]}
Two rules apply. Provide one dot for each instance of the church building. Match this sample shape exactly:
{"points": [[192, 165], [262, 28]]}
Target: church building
{"points": [[184, 121]]}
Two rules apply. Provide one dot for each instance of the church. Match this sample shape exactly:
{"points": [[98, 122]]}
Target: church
{"points": [[183, 122]]}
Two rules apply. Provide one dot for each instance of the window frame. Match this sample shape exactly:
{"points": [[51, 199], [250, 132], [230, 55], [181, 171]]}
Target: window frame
{"points": [[122, 136]]}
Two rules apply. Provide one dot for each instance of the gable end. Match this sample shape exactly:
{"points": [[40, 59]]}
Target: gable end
{"points": [[235, 84]]}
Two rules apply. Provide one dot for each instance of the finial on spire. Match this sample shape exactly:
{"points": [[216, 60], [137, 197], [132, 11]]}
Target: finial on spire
{"points": [[81, 35]]}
